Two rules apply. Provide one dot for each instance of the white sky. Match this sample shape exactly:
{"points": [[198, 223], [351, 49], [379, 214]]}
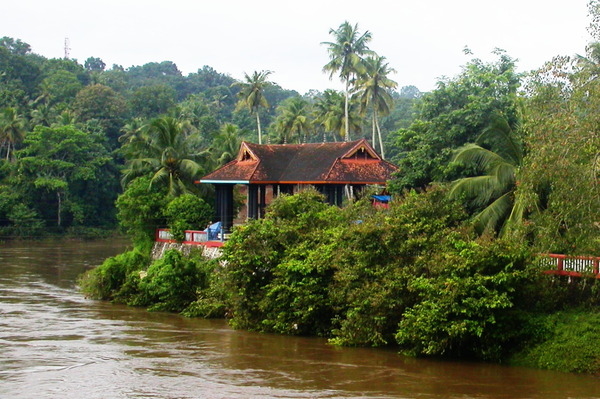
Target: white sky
{"points": [[422, 39]]}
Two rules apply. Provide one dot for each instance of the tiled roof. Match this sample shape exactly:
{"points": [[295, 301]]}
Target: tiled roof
{"points": [[344, 162]]}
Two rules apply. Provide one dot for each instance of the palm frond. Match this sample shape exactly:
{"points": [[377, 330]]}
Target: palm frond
{"points": [[190, 168], [478, 189], [500, 136], [474, 154], [505, 173], [491, 217]]}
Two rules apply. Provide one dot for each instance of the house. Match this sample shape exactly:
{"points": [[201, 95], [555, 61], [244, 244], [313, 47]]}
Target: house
{"points": [[334, 169]]}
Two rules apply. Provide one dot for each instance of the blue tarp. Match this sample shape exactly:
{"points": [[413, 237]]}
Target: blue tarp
{"points": [[213, 231], [382, 198]]}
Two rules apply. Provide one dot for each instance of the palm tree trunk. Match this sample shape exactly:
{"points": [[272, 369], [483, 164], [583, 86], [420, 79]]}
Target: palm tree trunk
{"points": [[378, 134], [346, 118], [373, 138], [258, 125]]}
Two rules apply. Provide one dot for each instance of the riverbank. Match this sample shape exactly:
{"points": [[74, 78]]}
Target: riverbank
{"points": [[414, 278]]}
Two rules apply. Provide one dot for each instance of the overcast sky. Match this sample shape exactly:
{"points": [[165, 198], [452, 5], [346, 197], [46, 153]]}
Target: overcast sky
{"points": [[423, 40]]}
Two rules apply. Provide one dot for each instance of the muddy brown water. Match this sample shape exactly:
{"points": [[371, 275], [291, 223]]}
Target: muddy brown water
{"points": [[54, 343]]}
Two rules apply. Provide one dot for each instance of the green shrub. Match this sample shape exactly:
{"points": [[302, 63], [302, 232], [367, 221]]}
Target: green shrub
{"points": [[171, 282], [106, 281], [211, 298], [187, 212], [375, 261], [469, 301], [271, 275], [570, 344]]}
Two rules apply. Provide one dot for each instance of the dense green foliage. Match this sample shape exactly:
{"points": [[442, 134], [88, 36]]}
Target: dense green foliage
{"points": [[62, 177], [448, 270], [187, 212], [415, 276], [454, 114], [141, 210], [149, 119], [112, 280], [571, 343], [172, 283]]}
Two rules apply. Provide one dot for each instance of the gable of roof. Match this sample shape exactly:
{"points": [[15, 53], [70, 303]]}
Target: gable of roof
{"points": [[342, 163]]}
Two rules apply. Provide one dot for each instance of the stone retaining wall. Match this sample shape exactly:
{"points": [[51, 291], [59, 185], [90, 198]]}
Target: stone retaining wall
{"points": [[159, 249]]}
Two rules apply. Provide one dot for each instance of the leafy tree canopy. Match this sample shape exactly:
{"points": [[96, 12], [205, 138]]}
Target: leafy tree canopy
{"points": [[452, 115]]}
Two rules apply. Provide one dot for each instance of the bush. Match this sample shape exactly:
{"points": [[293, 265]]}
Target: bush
{"points": [[140, 210], [171, 282], [376, 260], [469, 302], [107, 281], [211, 298], [570, 344], [272, 274], [187, 212]]}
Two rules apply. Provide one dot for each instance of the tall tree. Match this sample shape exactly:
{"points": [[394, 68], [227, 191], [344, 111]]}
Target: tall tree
{"points": [[94, 64], [60, 86], [374, 92], [452, 115], [251, 95], [42, 114], [152, 100], [293, 121], [562, 167], [103, 104], [226, 144], [12, 131], [16, 47], [345, 58], [328, 112], [59, 166], [166, 156]]}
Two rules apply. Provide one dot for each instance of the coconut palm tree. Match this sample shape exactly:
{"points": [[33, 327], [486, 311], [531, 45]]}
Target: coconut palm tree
{"points": [[498, 154], [43, 114], [12, 130], [65, 118], [345, 58], [293, 120], [165, 154], [374, 92], [226, 144], [134, 138], [329, 114], [251, 95]]}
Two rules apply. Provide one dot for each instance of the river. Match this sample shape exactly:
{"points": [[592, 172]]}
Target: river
{"points": [[54, 343]]}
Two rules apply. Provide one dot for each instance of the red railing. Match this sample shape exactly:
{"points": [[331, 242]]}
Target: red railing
{"points": [[192, 237], [575, 266]]}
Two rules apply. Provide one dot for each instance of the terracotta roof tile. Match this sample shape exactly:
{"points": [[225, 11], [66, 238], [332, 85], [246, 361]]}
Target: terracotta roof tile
{"points": [[343, 162]]}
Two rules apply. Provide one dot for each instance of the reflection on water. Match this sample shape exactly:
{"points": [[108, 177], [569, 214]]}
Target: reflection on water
{"points": [[57, 344]]}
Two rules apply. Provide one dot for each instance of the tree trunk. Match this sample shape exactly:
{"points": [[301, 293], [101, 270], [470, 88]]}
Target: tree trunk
{"points": [[379, 134], [374, 139], [258, 125], [346, 117]]}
